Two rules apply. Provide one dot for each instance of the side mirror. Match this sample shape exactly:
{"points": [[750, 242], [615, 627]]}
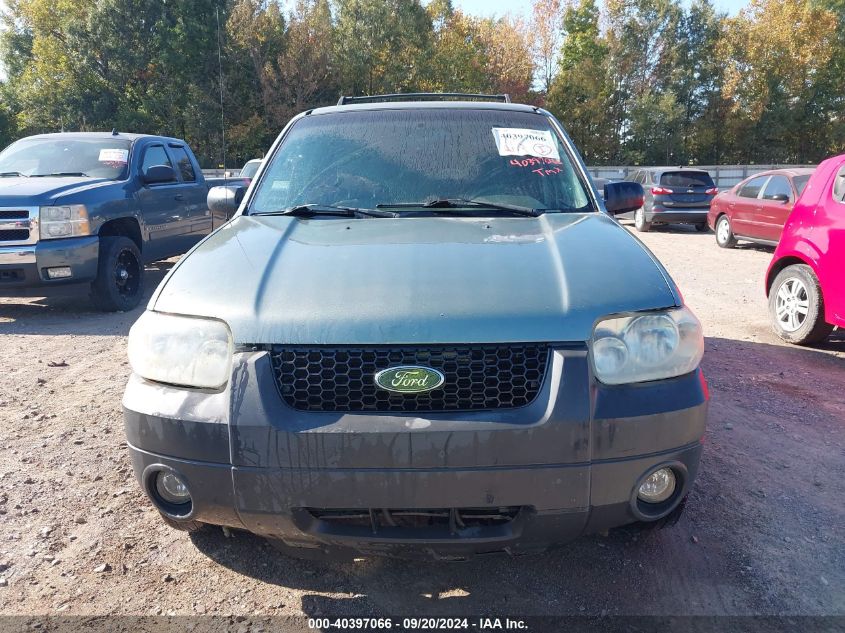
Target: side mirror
{"points": [[157, 174], [779, 197], [622, 197], [225, 200]]}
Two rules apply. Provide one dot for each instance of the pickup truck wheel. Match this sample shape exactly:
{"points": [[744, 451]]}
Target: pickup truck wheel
{"points": [[724, 234], [641, 224], [702, 227], [796, 306], [119, 285]]}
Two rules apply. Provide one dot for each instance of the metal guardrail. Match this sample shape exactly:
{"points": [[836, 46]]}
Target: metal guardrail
{"points": [[724, 176]]}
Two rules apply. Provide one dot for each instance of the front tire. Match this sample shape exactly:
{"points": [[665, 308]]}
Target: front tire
{"points": [[640, 222], [724, 234], [119, 285], [702, 227], [796, 306]]}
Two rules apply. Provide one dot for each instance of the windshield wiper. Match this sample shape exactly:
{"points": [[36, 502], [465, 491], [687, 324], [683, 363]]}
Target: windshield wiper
{"points": [[11, 174], [458, 203], [310, 210], [61, 174]]}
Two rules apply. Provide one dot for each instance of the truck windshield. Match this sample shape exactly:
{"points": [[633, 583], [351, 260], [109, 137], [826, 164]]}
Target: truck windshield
{"points": [[64, 157], [370, 158]]}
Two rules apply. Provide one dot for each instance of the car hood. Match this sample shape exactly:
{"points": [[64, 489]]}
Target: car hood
{"points": [[43, 191], [285, 280]]}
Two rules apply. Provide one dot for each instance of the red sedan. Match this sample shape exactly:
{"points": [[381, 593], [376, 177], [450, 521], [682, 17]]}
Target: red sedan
{"points": [[757, 208]]}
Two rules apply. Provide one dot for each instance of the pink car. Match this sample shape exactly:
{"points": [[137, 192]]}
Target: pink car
{"points": [[805, 282]]}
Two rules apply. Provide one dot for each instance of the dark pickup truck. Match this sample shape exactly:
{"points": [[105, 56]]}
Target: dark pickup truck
{"points": [[86, 211]]}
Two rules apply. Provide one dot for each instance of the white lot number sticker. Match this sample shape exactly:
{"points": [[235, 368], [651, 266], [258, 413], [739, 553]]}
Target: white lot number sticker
{"points": [[513, 141], [114, 156]]}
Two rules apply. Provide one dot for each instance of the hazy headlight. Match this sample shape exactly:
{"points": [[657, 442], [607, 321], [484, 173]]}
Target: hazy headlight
{"points": [[67, 221], [650, 346], [185, 351], [653, 338], [610, 355]]}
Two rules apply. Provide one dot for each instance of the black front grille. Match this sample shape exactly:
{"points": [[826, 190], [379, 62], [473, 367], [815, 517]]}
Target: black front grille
{"points": [[14, 215], [415, 518], [14, 235], [477, 377], [454, 519]]}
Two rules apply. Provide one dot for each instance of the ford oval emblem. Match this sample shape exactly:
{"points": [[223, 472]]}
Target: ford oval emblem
{"points": [[409, 379]]}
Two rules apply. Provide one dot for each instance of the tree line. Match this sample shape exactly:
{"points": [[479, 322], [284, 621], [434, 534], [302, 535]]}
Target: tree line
{"points": [[633, 81]]}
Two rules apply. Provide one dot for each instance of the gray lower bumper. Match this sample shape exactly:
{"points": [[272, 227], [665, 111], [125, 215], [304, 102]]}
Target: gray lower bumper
{"points": [[572, 460], [659, 214]]}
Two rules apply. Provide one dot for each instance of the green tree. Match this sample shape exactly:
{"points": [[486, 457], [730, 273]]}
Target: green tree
{"points": [[546, 35], [380, 45], [457, 60], [779, 53], [581, 91], [137, 65], [698, 81], [8, 127], [509, 66]]}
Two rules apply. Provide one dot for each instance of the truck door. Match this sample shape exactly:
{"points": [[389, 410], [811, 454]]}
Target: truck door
{"points": [[161, 209], [193, 194]]}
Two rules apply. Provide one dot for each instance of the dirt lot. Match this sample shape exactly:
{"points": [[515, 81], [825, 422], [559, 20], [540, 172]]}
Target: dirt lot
{"points": [[764, 531]]}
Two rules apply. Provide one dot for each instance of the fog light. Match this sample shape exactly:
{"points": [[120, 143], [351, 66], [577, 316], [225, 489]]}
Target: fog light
{"points": [[658, 486], [59, 272], [171, 488]]}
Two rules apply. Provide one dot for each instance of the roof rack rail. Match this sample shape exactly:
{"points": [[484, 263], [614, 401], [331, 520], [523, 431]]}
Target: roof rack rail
{"points": [[423, 96]]}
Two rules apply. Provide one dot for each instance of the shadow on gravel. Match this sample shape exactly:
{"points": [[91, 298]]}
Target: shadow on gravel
{"points": [[588, 576], [74, 314]]}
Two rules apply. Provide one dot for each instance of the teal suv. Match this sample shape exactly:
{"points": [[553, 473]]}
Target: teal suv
{"points": [[422, 334]]}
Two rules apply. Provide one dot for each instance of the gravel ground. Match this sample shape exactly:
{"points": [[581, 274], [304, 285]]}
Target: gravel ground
{"points": [[762, 534]]}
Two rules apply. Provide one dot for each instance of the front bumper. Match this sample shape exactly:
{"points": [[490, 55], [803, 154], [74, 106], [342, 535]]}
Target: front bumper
{"points": [[23, 269], [570, 461]]}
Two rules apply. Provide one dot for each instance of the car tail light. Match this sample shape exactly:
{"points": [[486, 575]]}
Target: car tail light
{"points": [[660, 191], [712, 191]]}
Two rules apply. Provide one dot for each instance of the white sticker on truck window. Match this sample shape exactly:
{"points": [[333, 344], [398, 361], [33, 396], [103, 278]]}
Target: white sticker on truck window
{"points": [[513, 141], [114, 156]]}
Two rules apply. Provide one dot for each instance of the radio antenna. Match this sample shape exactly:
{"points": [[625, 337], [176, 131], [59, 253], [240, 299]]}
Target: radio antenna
{"points": [[222, 108]]}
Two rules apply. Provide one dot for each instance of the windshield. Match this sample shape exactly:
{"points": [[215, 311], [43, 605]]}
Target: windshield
{"points": [[249, 169], [93, 158], [385, 157], [686, 179]]}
